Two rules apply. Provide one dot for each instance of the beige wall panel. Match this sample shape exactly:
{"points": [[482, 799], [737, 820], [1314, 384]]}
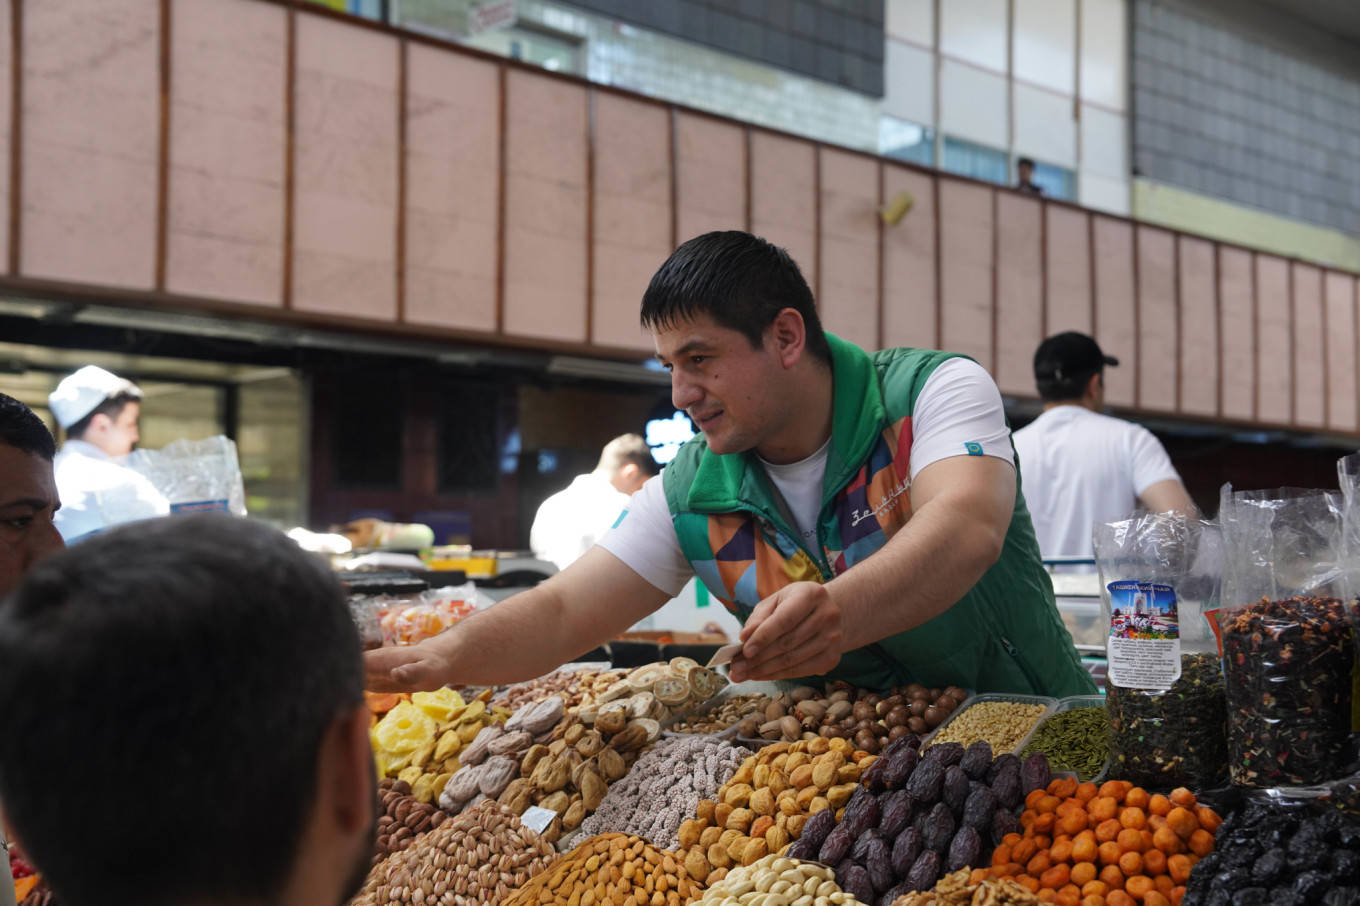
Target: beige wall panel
{"points": [[224, 229], [345, 194], [1116, 330], [1019, 300], [710, 176], [1275, 393], [452, 207], [1156, 319], [1069, 271], [966, 269], [783, 197], [909, 262], [1339, 293], [1310, 376], [1238, 323], [6, 76], [1199, 329], [849, 265], [91, 113], [632, 214], [545, 233]]}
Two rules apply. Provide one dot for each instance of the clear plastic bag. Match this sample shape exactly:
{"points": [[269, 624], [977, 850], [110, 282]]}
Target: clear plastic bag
{"points": [[1159, 573], [195, 475], [1286, 634], [429, 613]]}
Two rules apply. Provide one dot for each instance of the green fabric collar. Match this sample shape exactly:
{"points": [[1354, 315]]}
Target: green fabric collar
{"points": [[725, 483]]}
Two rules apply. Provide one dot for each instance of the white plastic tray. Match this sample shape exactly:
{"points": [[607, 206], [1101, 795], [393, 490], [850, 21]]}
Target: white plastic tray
{"points": [[1048, 703]]}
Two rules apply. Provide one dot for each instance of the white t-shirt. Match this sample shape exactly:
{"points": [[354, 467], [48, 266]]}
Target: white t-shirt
{"points": [[570, 522], [958, 405], [1079, 468], [97, 491]]}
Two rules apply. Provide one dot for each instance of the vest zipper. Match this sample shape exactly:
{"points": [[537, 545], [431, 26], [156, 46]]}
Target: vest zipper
{"points": [[1019, 662]]}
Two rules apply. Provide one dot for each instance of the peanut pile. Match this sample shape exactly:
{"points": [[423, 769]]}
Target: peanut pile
{"points": [[766, 803], [611, 870], [665, 787], [474, 858]]}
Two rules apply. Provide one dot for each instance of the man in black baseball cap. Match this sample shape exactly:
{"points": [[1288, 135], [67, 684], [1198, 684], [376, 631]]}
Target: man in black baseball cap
{"points": [[1080, 467]]}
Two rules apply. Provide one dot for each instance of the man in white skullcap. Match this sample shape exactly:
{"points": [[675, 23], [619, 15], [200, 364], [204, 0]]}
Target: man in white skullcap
{"points": [[99, 412]]}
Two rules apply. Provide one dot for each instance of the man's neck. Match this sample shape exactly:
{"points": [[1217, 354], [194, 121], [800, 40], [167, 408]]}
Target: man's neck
{"points": [[809, 427], [1080, 404]]}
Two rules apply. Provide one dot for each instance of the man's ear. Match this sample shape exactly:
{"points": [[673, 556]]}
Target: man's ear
{"points": [[1093, 385], [345, 766], [788, 334]]}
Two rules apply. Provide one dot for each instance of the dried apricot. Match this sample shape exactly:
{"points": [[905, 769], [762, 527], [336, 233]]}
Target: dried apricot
{"points": [[1159, 805], [1095, 889], [1155, 898], [1130, 840], [1086, 791], [1182, 821], [1118, 898], [1182, 797], [1112, 877], [1084, 847], [1178, 867], [1108, 830], [1201, 842], [1137, 797], [1139, 886], [1055, 877], [1154, 862], [1131, 863], [1103, 808], [1084, 873], [1134, 817], [1061, 851], [1110, 853], [1208, 818], [1165, 839]]}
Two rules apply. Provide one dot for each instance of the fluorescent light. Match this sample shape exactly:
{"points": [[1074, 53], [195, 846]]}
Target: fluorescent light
{"points": [[606, 370]]}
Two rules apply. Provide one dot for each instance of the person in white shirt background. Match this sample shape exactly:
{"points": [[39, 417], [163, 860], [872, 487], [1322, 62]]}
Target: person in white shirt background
{"points": [[99, 412], [570, 522], [1080, 467]]}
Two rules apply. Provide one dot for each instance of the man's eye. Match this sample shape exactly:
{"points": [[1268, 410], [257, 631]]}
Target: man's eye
{"points": [[20, 522], [698, 359]]}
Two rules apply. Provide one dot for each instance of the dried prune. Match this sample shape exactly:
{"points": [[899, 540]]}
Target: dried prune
{"points": [[965, 850], [939, 828], [893, 894], [955, 792], [836, 846], [979, 808], [873, 777], [926, 782], [1006, 786], [925, 871], [899, 765], [1310, 886], [895, 809], [946, 753], [877, 862], [1003, 823], [857, 851], [1251, 896], [861, 812], [1345, 865], [977, 758], [905, 850], [856, 883], [803, 849], [1035, 773], [999, 764], [817, 827], [1341, 896], [1268, 867]]}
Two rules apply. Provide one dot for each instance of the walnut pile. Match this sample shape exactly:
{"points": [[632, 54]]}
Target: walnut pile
{"points": [[572, 686], [664, 788], [954, 890]]}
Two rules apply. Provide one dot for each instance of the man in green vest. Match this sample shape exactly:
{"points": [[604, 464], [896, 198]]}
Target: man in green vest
{"points": [[861, 515]]}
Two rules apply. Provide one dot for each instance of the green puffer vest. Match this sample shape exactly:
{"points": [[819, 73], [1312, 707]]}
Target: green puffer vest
{"points": [[1004, 635]]}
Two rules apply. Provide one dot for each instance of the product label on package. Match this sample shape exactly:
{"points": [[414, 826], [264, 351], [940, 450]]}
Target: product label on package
{"points": [[1144, 648], [537, 819]]}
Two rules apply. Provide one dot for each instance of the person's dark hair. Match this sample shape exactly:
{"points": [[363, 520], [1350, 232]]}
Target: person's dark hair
{"points": [[167, 686], [740, 281], [112, 407], [1025, 162], [20, 427], [1070, 387]]}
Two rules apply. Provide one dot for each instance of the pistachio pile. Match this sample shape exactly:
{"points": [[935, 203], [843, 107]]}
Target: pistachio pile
{"points": [[869, 719]]}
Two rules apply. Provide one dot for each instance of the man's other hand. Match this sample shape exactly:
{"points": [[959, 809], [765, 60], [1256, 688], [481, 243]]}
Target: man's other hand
{"points": [[416, 668], [794, 632]]}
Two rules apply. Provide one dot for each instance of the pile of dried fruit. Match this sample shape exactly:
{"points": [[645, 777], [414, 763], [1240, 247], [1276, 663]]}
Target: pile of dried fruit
{"points": [[767, 803], [1111, 845], [1172, 737], [870, 719], [419, 741], [664, 787], [658, 691], [775, 881], [476, 857], [403, 817], [611, 870], [492, 760], [573, 686], [917, 816]]}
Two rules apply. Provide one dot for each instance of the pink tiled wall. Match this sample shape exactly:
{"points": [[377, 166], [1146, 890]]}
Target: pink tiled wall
{"points": [[1020, 292], [1116, 307], [1198, 328], [849, 262]]}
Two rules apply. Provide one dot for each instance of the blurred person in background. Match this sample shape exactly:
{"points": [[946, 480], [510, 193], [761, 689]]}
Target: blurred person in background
{"points": [[1026, 183], [234, 763], [99, 412], [28, 492], [1081, 467], [570, 522]]}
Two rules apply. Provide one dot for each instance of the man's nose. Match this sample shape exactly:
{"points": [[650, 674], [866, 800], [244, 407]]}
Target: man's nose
{"points": [[46, 542], [684, 393]]}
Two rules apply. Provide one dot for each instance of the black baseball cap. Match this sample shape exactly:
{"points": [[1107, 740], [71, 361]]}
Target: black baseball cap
{"points": [[1069, 355]]}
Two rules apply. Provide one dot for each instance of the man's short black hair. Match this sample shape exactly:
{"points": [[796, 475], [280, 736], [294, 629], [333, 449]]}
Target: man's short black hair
{"points": [[1025, 162], [166, 687], [112, 407], [20, 427], [740, 281], [1065, 363]]}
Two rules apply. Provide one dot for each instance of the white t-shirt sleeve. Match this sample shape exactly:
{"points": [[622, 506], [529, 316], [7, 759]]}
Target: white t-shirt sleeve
{"points": [[644, 539], [1150, 462], [959, 413]]}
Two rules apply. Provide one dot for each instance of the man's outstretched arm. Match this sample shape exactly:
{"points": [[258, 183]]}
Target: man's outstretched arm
{"points": [[524, 636]]}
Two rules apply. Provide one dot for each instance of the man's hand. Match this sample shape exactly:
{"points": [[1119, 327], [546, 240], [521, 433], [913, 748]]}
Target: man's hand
{"points": [[417, 668], [794, 632]]}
